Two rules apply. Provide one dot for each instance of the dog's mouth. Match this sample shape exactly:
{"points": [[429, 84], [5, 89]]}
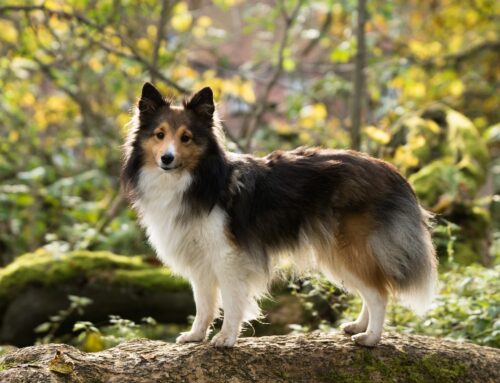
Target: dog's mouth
{"points": [[170, 168]]}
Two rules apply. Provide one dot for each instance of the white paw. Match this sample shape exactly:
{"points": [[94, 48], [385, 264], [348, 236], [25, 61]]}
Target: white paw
{"points": [[190, 336], [223, 340], [368, 339], [353, 327]]}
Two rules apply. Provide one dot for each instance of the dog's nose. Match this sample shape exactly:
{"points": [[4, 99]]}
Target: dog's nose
{"points": [[167, 159]]}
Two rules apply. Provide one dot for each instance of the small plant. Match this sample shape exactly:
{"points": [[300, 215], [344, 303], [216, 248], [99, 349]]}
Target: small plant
{"points": [[119, 330], [50, 328]]}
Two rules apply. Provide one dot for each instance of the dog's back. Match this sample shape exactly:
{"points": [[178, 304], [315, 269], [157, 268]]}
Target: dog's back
{"points": [[358, 213]]}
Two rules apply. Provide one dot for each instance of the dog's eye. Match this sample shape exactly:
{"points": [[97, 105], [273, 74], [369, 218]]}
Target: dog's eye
{"points": [[185, 138], [160, 135]]}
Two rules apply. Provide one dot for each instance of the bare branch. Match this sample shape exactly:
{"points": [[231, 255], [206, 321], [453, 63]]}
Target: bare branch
{"points": [[261, 107], [160, 32], [359, 78], [322, 32]]}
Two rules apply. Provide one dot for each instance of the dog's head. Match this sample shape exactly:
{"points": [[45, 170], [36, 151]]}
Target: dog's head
{"points": [[175, 138]]}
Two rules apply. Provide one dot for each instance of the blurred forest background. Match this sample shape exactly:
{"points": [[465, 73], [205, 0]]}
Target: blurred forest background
{"points": [[412, 82]]}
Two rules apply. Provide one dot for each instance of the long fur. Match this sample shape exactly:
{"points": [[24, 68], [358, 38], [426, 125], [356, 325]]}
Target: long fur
{"points": [[227, 221]]}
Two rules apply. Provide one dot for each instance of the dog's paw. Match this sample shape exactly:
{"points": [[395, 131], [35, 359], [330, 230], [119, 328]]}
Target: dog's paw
{"points": [[223, 340], [353, 327], [367, 339], [190, 336]]}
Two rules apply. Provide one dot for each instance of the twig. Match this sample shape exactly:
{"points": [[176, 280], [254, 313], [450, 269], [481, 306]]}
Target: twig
{"points": [[261, 107], [359, 78], [160, 32], [322, 32]]}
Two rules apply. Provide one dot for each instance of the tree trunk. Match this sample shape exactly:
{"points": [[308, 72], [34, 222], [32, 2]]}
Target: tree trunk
{"points": [[359, 78], [314, 357]]}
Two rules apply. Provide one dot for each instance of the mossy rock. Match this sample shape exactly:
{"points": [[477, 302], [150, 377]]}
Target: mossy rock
{"points": [[37, 285], [43, 268]]}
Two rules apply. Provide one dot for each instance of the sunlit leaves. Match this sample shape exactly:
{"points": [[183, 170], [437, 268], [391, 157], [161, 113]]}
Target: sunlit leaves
{"points": [[9, 32], [181, 19], [312, 115], [377, 135]]}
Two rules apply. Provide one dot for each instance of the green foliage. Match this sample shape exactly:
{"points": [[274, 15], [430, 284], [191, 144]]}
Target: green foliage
{"points": [[77, 306], [92, 339], [467, 308]]}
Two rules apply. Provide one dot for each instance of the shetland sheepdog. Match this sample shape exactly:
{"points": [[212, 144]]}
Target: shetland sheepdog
{"points": [[227, 221]]}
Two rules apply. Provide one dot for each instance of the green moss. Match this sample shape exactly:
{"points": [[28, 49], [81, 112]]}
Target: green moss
{"points": [[47, 269], [7, 366], [152, 278], [367, 367], [442, 369]]}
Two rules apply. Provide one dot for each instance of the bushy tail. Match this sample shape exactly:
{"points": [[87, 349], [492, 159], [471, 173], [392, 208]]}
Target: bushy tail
{"points": [[419, 290], [406, 255]]}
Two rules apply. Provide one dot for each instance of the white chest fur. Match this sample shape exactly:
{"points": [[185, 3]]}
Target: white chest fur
{"points": [[187, 246]]}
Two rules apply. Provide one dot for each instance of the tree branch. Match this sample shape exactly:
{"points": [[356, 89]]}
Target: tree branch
{"points": [[160, 32], [136, 56], [359, 78], [313, 357], [322, 32], [261, 107]]}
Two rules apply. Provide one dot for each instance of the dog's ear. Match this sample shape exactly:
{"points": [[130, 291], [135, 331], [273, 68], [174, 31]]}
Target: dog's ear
{"points": [[151, 99], [202, 103]]}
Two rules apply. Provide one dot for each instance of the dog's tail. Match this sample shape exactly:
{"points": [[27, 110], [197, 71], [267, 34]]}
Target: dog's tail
{"points": [[406, 255], [418, 291]]}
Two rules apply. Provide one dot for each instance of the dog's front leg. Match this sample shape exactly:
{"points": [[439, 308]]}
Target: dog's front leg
{"points": [[205, 293], [235, 300]]}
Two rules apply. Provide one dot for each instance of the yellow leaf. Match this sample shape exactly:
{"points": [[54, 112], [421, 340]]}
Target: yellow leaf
{"points": [[377, 135], [144, 44], [282, 127], [151, 31], [312, 115], [198, 32], [182, 22], [305, 137], [247, 93], [432, 126], [94, 342], [28, 99], [95, 64], [204, 21], [133, 70], [9, 32], [13, 136], [180, 7], [456, 88], [112, 58], [288, 64], [319, 111], [417, 90]]}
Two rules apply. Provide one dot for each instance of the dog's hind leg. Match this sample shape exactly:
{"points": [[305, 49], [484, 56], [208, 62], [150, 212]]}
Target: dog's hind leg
{"points": [[359, 325], [375, 302]]}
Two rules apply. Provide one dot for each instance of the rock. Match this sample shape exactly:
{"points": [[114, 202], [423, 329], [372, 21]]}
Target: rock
{"points": [[36, 286]]}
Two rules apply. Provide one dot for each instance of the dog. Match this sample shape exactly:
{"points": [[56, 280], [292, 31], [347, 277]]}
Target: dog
{"points": [[226, 221]]}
